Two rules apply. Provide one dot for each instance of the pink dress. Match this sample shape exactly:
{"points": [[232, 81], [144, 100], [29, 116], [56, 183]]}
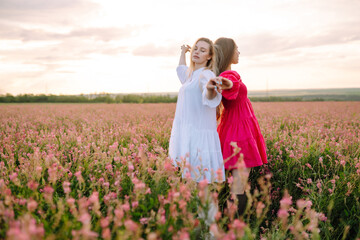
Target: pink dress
{"points": [[239, 124]]}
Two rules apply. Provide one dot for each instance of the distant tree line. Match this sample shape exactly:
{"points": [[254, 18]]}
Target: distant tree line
{"points": [[102, 98], [138, 98], [305, 98]]}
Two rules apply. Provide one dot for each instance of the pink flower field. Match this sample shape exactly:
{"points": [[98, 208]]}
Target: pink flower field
{"points": [[101, 171]]}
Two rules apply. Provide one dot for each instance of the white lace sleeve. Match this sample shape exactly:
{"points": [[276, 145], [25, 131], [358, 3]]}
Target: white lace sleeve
{"points": [[181, 72], [205, 76]]}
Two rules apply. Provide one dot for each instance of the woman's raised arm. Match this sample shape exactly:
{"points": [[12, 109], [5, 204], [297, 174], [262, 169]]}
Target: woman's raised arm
{"points": [[184, 50]]}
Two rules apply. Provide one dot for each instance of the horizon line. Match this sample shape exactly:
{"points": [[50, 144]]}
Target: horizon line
{"points": [[262, 90]]}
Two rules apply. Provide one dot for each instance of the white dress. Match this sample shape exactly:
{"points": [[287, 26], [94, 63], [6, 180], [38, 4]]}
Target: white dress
{"points": [[194, 137]]}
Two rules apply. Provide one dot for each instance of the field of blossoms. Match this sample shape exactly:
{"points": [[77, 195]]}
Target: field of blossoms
{"points": [[101, 171]]}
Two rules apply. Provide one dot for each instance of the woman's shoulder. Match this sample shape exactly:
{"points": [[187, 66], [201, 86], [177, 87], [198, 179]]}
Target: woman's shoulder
{"points": [[230, 73], [207, 73], [181, 67]]}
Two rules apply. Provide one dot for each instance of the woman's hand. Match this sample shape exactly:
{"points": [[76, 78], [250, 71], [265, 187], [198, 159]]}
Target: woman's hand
{"points": [[212, 85], [219, 84], [211, 89], [185, 48], [225, 83]]}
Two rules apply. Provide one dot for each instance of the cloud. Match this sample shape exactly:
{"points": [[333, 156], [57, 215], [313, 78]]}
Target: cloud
{"points": [[55, 32], [41, 4], [8, 32], [150, 50], [268, 43], [46, 12], [67, 50]]}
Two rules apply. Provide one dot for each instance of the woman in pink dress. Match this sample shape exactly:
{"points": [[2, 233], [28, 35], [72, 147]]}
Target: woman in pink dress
{"points": [[238, 123]]}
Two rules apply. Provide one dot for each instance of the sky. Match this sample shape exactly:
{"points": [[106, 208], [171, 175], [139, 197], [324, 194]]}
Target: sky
{"points": [[103, 46]]}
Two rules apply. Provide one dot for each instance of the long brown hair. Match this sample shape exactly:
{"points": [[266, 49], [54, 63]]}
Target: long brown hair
{"points": [[224, 51], [210, 64], [225, 48]]}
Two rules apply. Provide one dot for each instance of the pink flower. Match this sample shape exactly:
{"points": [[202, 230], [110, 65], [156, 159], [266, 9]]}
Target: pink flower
{"points": [[239, 225], [32, 205], [293, 210], [322, 217], [66, 187], [94, 197], [39, 169], [219, 174], [79, 176], [259, 208], [152, 236], [203, 184], [48, 190], [32, 185], [70, 201], [168, 166], [85, 218], [230, 179], [13, 176], [135, 204], [268, 176], [286, 201], [119, 213], [139, 186], [305, 235], [214, 229], [282, 213], [131, 225], [308, 204], [126, 207], [22, 201], [301, 203], [218, 216], [144, 220], [104, 222], [106, 234], [162, 219], [184, 235], [130, 167], [309, 180]]}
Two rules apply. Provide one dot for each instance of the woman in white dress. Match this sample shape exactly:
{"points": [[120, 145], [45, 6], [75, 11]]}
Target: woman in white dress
{"points": [[194, 142]]}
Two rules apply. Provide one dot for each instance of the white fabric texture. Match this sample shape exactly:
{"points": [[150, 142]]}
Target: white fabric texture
{"points": [[193, 135], [213, 209]]}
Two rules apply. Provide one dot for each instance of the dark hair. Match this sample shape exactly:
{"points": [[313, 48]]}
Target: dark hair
{"points": [[224, 49], [224, 52]]}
